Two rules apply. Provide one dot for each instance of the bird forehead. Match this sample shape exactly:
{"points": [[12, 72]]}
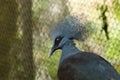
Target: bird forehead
{"points": [[56, 35]]}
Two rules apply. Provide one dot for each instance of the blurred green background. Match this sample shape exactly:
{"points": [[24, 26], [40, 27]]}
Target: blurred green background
{"points": [[25, 40]]}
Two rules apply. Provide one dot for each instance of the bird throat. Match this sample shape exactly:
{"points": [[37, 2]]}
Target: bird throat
{"points": [[68, 50]]}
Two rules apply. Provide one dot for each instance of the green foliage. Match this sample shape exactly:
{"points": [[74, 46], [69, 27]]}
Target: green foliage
{"points": [[116, 8], [113, 45], [52, 65], [113, 51], [113, 48], [52, 62], [40, 6]]}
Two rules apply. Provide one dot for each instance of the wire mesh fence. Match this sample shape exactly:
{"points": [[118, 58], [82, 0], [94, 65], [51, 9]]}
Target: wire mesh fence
{"points": [[25, 27]]}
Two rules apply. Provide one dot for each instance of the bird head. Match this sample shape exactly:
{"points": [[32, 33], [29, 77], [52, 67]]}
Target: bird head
{"points": [[65, 31], [58, 43]]}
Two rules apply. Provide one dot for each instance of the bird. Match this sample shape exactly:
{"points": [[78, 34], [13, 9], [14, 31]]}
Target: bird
{"points": [[75, 64]]}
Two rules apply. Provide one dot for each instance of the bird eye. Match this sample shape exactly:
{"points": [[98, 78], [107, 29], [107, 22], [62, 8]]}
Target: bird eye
{"points": [[57, 40]]}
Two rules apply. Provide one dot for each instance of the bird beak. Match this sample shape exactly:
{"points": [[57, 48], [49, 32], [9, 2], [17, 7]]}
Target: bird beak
{"points": [[51, 51]]}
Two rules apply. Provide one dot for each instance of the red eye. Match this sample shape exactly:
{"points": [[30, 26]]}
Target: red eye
{"points": [[57, 40]]}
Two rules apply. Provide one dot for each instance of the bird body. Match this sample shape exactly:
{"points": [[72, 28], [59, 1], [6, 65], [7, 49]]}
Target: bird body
{"points": [[75, 64], [86, 66]]}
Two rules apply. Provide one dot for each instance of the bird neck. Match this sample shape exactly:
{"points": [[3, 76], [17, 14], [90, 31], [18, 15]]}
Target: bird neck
{"points": [[68, 49]]}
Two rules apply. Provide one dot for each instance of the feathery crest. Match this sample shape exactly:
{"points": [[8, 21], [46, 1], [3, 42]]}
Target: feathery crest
{"points": [[70, 27]]}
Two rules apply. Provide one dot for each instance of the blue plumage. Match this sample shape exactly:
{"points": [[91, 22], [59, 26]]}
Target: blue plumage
{"points": [[70, 27]]}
